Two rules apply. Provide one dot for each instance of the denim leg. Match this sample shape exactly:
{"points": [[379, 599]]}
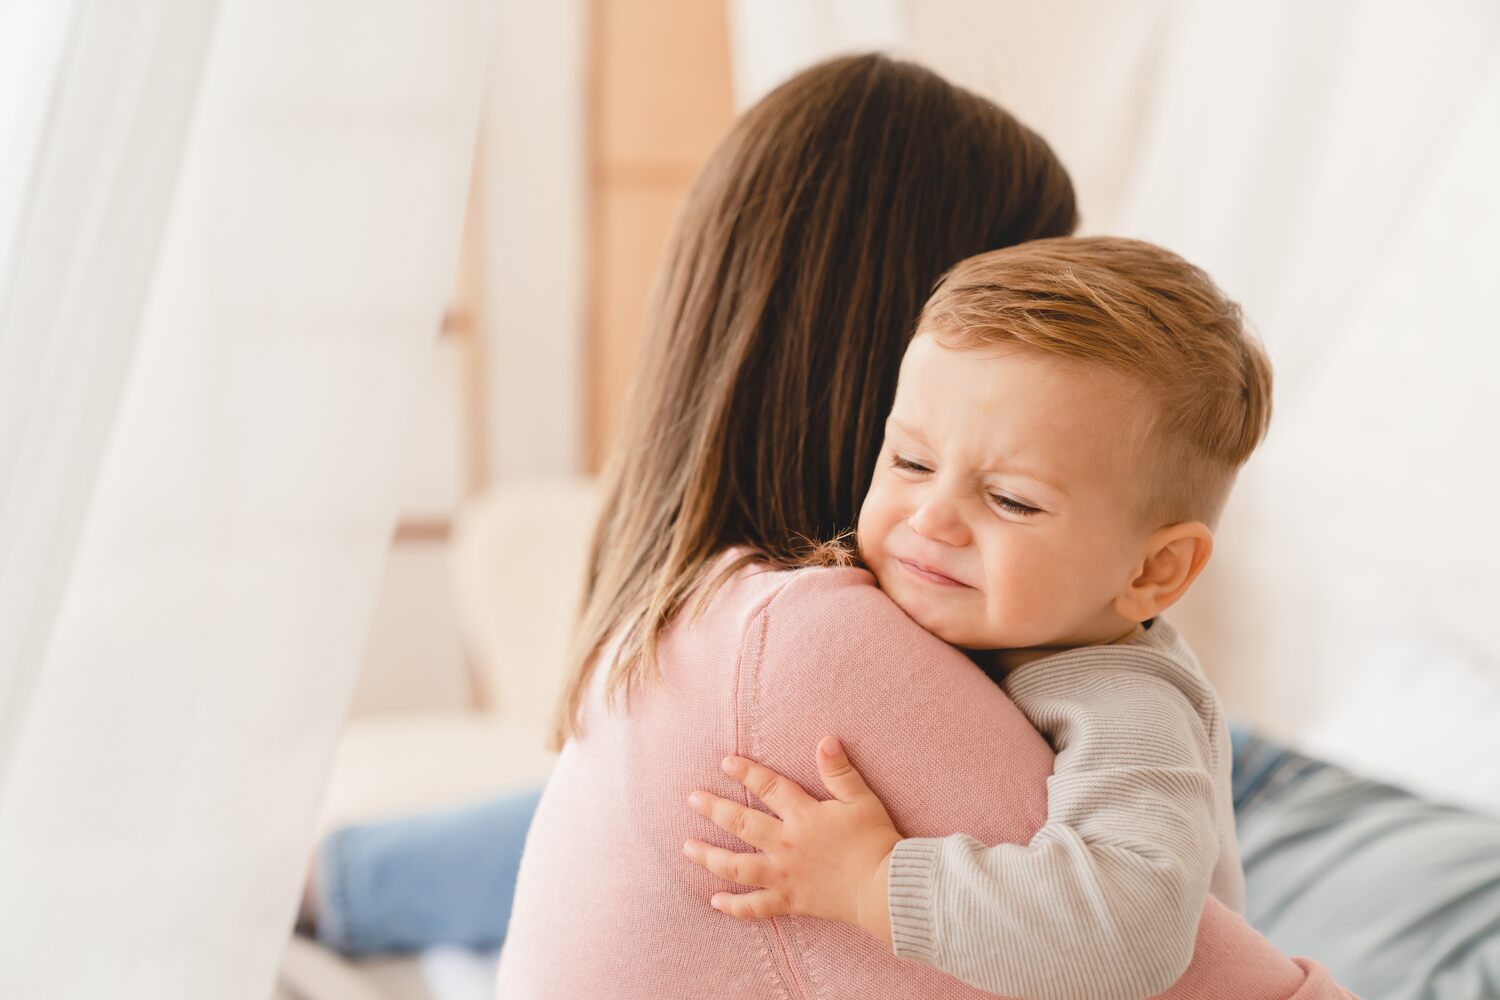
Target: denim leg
{"points": [[444, 877], [1398, 896], [1260, 768]]}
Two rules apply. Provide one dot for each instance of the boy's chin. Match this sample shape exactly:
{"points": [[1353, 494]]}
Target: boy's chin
{"points": [[953, 632], [933, 613], [963, 634]]}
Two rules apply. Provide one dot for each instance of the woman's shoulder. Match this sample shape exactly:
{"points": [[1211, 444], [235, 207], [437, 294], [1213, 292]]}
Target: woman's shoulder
{"points": [[826, 651], [804, 617], [812, 593], [805, 595]]}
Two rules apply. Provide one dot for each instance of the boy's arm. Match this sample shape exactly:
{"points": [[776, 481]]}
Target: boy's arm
{"points": [[1103, 902], [1105, 899]]}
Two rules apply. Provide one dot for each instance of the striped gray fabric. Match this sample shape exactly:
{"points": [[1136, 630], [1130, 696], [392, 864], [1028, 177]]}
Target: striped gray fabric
{"points": [[1104, 901]]}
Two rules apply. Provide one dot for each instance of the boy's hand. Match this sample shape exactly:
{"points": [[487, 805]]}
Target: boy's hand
{"points": [[822, 859]]}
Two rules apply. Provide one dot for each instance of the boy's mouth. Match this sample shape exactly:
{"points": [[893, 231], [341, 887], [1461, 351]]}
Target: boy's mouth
{"points": [[927, 574]]}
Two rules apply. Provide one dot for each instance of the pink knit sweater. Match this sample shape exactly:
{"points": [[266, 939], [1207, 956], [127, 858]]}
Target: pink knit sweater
{"points": [[607, 906]]}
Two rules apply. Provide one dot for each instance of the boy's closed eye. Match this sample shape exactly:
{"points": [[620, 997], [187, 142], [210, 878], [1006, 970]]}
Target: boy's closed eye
{"points": [[1005, 502]]}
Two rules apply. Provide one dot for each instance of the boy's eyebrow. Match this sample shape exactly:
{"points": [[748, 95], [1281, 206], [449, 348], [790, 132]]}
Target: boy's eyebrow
{"points": [[996, 464], [910, 432]]}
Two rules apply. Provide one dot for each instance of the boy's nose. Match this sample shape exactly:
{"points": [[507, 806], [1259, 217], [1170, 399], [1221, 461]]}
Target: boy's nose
{"points": [[938, 519]]}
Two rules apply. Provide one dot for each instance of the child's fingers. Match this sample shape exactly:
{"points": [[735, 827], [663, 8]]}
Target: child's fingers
{"points": [[782, 794], [746, 869], [839, 775], [750, 825], [762, 904]]}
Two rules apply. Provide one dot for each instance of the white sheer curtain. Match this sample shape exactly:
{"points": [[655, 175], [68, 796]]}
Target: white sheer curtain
{"points": [[226, 235], [96, 108]]}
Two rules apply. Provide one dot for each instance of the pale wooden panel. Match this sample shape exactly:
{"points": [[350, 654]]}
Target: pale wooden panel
{"points": [[662, 80], [632, 226], [661, 101]]}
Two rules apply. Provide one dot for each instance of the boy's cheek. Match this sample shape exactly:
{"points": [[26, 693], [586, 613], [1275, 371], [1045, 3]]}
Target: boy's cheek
{"points": [[874, 525], [864, 531], [880, 565]]}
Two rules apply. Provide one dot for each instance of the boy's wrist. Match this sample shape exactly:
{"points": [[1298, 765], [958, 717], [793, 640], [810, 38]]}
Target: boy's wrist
{"points": [[874, 905]]}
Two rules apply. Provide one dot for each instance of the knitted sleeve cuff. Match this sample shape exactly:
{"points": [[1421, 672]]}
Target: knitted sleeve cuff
{"points": [[909, 889]]}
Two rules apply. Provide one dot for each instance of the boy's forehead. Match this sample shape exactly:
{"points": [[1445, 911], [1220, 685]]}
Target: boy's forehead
{"points": [[1015, 373], [1014, 405]]}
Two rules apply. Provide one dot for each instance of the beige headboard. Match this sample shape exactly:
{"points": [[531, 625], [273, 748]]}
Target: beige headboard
{"points": [[518, 563]]}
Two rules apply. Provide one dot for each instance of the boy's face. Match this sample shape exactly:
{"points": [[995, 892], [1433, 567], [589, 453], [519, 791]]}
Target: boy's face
{"points": [[1004, 510]]}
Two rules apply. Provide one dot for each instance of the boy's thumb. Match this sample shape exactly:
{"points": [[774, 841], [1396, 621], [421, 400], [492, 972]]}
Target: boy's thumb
{"points": [[839, 776]]}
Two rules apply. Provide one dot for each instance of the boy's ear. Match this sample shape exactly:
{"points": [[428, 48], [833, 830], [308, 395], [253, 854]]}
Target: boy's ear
{"points": [[1174, 556]]}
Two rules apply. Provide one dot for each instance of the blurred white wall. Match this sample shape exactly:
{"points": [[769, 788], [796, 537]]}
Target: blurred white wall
{"points": [[771, 40]]}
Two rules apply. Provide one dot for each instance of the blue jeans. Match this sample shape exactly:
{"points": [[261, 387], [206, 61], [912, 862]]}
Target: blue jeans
{"points": [[445, 877], [1397, 895], [1262, 770]]}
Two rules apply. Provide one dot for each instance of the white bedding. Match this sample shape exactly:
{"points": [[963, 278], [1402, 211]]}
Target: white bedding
{"points": [[460, 974]]}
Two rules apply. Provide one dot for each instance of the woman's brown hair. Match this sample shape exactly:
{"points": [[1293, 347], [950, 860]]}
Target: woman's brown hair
{"points": [[789, 292]]}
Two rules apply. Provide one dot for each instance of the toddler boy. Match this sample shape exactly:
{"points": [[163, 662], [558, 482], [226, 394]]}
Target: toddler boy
{"points": [[1069, 420]]}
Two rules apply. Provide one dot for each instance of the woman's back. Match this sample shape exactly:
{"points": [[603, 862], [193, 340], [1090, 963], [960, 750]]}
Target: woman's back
{"points": [[606, 904]]}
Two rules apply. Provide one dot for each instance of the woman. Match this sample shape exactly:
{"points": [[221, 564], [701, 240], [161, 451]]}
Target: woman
{"points": [[807, 248], [798, 268]]}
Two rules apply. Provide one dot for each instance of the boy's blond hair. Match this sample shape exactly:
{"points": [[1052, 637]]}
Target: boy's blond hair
{"points": [[1141, 311]]}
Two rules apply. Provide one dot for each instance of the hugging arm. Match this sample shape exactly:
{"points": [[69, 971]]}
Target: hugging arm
{"points": [[1105, 899]]}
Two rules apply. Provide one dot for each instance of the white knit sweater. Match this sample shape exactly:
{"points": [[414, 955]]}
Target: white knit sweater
{"points": [[1104, 901]]}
